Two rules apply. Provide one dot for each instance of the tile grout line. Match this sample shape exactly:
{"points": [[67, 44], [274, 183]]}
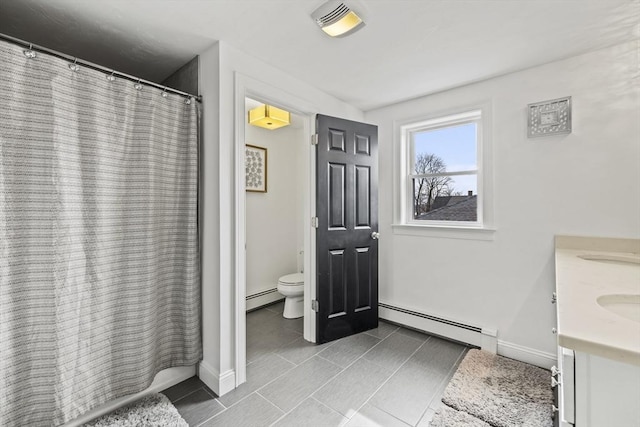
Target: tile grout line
{"points": [[450, 374], [442, 386], [387, 380], [330, 408], [340, 371], [274, 379], [225, 408], [371, 335], [270, 381], [274, 351], [294, 365], [313, 355], [362, 357], [284, 415], [411, 355], [189, 394], [255, 391], [274, 405]]}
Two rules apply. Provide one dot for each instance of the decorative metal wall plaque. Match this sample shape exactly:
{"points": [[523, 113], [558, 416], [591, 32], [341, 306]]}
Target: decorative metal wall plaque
{"points": [[549, 117]]}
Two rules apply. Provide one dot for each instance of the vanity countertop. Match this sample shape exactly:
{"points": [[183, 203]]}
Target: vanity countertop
{"points": [[583, 324]]}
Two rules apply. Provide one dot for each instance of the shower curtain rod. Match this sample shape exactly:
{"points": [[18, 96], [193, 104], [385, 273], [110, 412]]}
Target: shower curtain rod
{"points": [[96, 67]]}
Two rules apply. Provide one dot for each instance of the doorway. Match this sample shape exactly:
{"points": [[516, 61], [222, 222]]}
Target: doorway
{"points": [[275, 169], [353, 180], [303, 113]]}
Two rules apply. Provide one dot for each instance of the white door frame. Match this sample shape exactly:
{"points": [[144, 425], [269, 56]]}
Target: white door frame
{"points": [[246, 86]]}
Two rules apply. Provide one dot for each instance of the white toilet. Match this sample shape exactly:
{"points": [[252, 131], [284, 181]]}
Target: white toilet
{"points": [[292, 287]]}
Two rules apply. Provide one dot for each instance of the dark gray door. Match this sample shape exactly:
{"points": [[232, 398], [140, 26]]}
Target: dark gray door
{"points": [[346, 238]]}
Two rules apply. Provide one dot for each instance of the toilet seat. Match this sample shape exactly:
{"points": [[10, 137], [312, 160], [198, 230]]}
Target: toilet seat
{"points": [[292, 279]]}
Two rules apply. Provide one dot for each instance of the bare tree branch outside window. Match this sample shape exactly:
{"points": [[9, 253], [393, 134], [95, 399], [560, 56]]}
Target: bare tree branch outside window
{"points": [[427, 189]]}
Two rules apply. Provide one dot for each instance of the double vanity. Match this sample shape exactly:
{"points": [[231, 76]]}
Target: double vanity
{"points": [[598, 330]]}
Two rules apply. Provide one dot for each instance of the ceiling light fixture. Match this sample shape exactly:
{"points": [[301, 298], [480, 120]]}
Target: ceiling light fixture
{"points": [[269, 117], [337, 19]]}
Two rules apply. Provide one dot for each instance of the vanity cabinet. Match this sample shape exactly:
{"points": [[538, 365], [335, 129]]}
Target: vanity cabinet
{"points": [[594, 391], [607, 392], [597, 379]]}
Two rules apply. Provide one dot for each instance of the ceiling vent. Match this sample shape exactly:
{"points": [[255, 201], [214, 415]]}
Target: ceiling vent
{"points": [[337, 19]]}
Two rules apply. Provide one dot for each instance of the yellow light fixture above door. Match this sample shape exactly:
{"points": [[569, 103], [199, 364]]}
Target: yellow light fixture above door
{"points": [[269, 117]]}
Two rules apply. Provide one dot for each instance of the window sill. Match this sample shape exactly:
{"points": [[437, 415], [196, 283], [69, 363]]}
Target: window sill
{"points": [[445, 232]]}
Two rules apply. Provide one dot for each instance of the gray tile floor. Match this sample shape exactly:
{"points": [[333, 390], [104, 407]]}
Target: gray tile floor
{"points": [[390, 376]]}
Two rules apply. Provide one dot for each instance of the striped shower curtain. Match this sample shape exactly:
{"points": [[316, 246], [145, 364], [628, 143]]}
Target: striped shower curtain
{"points": [[99, 264]]}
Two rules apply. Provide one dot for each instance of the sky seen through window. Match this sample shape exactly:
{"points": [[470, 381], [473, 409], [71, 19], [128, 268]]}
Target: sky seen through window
{"points": [[456, 146]]}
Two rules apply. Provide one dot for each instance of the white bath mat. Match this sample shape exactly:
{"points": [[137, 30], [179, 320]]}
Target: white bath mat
{"points": [[155, 410], [449, 417], [500, 391]]}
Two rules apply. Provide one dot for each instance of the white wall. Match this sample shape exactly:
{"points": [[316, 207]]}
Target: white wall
{"points": [[220, 66], [274, 218], [209, 215], [584, 183]]}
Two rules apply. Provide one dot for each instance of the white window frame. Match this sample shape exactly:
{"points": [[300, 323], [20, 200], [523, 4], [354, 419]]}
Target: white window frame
{"points": [[482, 228]]}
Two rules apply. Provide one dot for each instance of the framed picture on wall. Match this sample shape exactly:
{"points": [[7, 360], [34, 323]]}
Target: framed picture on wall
{"points": [[256, 168]]}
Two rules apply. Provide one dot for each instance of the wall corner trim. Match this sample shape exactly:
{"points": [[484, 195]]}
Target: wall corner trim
{"points": [[221, 384]]}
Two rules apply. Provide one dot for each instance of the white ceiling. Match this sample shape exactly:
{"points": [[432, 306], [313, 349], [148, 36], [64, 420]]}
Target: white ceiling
{"points": [[407, 49]]}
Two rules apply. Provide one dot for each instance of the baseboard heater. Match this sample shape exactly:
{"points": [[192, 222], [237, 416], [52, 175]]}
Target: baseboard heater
{"points": [[261, 299], [261, 294], [475, 335]]}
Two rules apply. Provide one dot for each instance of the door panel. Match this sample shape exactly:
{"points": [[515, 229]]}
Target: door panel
{"points": [[337, 283], [363, 279], [337, 189], [347, 210], [363, 199]]}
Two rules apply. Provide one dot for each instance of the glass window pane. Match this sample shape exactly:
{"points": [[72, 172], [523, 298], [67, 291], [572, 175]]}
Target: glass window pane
{"points": [[446, 198], [449, 149]]}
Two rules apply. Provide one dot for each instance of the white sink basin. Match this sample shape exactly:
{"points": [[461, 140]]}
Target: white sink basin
{"points": [[613, 259], [627, 306]]}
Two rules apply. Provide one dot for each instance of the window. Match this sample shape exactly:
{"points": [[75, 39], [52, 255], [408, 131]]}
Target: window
{"points": [[442, 180]]}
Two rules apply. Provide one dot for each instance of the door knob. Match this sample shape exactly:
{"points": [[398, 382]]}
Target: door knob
{"points": [[375, 235]]}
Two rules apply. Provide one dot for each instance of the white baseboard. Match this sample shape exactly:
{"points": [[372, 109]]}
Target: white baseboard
{"points": [[263, 298], [527, 354], [163, 380], [485, 338], [221, 384]]}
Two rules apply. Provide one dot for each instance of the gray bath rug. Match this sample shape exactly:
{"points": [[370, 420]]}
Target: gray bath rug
{"points": [[501, 391], [155, 410], [449, 417]]}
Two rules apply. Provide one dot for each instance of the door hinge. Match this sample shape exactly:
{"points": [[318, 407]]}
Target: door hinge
{"points": [[314, 139], [314, 305], [314, 222]]}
